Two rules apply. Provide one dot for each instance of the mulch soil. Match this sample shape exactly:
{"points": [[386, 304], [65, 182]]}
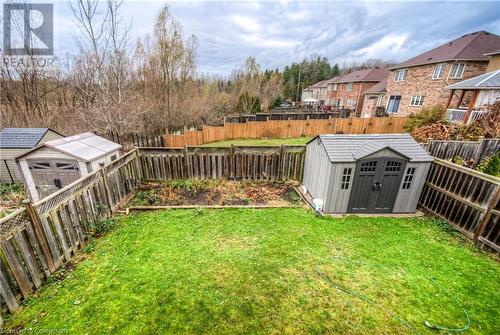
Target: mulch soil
{"points": [[211, 192]]}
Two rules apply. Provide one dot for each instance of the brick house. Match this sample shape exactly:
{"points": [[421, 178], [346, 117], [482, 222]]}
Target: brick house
{"points": [[374, 99], [422, 80], [347, 91]]}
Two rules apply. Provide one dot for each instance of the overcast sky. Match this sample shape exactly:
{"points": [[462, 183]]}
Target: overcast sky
{"points": [[277, 33]]}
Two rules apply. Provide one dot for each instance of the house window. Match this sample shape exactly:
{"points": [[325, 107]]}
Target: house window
{"points": [[346, 179], [417, 100], [379, 100], [113, 157], [457, 71], [349, 87], [400, 75], [393, 105], [410, 172], [438, 71], [334, 87]]}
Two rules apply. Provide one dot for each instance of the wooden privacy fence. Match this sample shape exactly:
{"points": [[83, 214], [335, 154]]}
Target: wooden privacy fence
{"points": [[476, 151], [36, 240], [466, 198], [289, 128], [235, 162]]}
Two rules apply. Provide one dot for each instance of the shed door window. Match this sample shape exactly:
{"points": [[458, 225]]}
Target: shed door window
{"points": [[66, 166], [346, 179], [369, 166], [410, 172], [393, 166], [40, 166]]}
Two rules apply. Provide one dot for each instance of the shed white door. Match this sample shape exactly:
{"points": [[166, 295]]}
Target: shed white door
{"points": [[52, 175]]}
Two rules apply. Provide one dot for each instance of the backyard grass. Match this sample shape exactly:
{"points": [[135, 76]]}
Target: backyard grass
{"points": [[260, 141], [239, 271]]}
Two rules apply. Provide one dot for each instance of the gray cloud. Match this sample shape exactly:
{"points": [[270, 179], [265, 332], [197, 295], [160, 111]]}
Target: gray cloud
{"points": [[278, 33]]}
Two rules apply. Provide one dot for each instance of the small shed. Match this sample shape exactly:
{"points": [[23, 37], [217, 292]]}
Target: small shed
{"points": [[17, 141], [57, 163], [377, 173]]}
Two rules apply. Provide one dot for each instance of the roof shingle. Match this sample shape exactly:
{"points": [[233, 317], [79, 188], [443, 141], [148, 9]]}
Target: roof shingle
{"points": [[350, 148], [470, 47], [21, 138]]}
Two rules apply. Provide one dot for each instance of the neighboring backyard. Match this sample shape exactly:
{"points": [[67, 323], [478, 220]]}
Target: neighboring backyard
{"points": [[236, 271], [260, 141]]}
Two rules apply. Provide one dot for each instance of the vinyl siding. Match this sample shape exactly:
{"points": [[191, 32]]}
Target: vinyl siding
{"points": [[317, 171], [407, 200], [338, 199], [7, 157]]}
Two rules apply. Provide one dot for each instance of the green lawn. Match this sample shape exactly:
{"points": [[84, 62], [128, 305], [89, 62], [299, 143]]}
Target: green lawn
{"points": [[260, 141], [244, 271]]}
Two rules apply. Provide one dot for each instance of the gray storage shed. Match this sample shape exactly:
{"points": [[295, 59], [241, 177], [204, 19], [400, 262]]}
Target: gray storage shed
{"points": [[377, 173]]}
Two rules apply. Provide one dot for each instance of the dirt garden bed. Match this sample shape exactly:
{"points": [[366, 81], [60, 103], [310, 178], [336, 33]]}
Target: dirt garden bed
{"points": [[214, 193]]}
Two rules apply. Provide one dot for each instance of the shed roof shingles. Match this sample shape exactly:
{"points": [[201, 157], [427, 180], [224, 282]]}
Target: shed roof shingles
{"points": [[470, 47], [349, 148], [21, 138]]}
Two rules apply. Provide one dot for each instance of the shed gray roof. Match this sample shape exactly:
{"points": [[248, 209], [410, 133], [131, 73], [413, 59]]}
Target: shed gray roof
{"points": [[86, 147], [350, 148], [21, 138], [487, 81]]}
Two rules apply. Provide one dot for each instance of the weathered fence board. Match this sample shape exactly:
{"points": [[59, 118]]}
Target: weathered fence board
{"points": [[286, 128], [237, 163], [466, 198], [467, 150]]}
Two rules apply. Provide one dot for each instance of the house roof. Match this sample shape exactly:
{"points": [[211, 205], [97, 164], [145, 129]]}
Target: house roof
{"points": [[319, 84], [487, 81], [22, 138], [471, 47], [372, 74], [86, 147], [380, 87], [494, 53], [350, 148]]}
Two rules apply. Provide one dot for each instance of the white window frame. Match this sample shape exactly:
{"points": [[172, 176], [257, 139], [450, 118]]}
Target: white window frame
{"points": [[400, 75], [417, 100], [379, 100], [335, 86], [452, 75], [438, 72], [349, 86]]}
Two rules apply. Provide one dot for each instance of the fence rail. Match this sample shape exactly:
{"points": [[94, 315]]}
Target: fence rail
{"points": [[467, 199], [281, 116], [467, 150], [235, 162], [289, 128]]}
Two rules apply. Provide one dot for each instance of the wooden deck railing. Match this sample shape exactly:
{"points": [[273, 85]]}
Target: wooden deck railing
{"points": [[466, 198]]}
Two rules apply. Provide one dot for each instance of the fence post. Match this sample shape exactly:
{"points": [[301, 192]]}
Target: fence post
{"points": [[138, 165], [280, 172], [106, 189], [487, 214], [39, 232]]}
